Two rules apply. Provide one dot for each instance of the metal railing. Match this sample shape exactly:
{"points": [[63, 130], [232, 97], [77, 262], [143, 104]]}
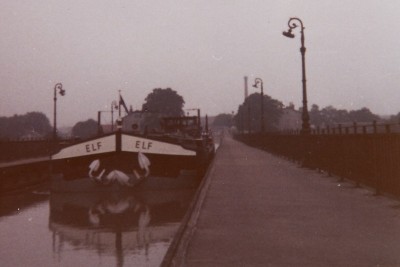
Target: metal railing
{"points": [[367, 154]]}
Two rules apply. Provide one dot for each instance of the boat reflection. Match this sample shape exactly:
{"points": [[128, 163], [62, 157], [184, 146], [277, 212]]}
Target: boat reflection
{"points": [[116, 223], [187, 179]]}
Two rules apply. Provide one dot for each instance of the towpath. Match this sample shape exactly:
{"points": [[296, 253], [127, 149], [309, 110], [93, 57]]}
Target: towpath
{"points": [[255, 209]]}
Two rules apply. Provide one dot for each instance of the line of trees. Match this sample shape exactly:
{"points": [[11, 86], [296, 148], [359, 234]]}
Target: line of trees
{"points": [[332, 116], [30, 125], [169, 103], [248, 116]]}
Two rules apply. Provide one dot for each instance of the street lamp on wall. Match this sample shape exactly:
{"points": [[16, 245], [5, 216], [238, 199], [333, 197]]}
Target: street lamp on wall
{"points": [[305, 128], [257, 82], [61, 91]]}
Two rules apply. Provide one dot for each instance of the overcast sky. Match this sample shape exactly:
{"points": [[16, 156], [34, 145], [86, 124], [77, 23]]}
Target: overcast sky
{"points": [[201, 49]]}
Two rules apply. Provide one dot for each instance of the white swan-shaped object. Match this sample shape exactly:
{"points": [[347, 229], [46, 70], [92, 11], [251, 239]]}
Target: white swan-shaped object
{"points": [[144, 163], [117, 175]]}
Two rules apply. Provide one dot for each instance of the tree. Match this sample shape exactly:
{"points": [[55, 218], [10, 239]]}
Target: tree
{"points": [[249, 113], [166, 102], [362, 115], [332, 116], [316, 117], [85, 129], [395, 118], [32, 124], [38, 122], [223, 120]]}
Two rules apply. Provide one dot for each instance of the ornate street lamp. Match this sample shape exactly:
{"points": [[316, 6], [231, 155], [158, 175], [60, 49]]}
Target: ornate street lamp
{"points": [[305, 128], [58, 87], [257, 82]]}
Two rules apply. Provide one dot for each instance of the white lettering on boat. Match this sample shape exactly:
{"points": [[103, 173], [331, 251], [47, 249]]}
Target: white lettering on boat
{"points": [[143, 145], [140, 144], [98, 146], [92, 147]]}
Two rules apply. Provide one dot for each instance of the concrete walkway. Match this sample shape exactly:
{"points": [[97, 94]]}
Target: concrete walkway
{"points": [[256, 209]]}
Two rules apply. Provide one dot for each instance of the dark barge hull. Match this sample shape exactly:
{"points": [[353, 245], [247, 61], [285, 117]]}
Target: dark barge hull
{"points": [[132, 155]]}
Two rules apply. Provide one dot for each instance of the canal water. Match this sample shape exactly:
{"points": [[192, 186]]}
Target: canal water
{"points": [[39, 227]]}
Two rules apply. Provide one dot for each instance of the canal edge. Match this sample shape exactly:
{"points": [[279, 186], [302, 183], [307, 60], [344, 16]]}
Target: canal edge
{"points": [[176, 252]]}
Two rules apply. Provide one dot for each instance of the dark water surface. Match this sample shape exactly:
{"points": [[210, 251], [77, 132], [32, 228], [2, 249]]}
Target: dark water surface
{"points": [[43, 228]]}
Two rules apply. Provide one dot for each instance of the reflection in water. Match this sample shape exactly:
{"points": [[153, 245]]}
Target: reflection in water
{"points": [[184, 179], [11, 203], [120, 224], [77, 225]]}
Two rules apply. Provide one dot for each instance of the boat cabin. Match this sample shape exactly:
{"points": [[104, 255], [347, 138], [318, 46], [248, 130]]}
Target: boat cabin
{"points": [[189, 125]]}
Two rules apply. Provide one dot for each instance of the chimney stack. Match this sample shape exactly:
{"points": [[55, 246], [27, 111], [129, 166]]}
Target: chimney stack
{"points": [[245, 88]]}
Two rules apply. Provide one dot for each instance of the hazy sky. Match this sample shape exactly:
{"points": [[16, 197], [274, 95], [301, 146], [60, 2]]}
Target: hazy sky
{"points": [[201, 49]]}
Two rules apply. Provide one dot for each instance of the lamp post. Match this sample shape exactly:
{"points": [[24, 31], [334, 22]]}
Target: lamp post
{"points": [[248, 117], [113, 106], [246, 95], [305, 128], [257, 82], [58, 87]]}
